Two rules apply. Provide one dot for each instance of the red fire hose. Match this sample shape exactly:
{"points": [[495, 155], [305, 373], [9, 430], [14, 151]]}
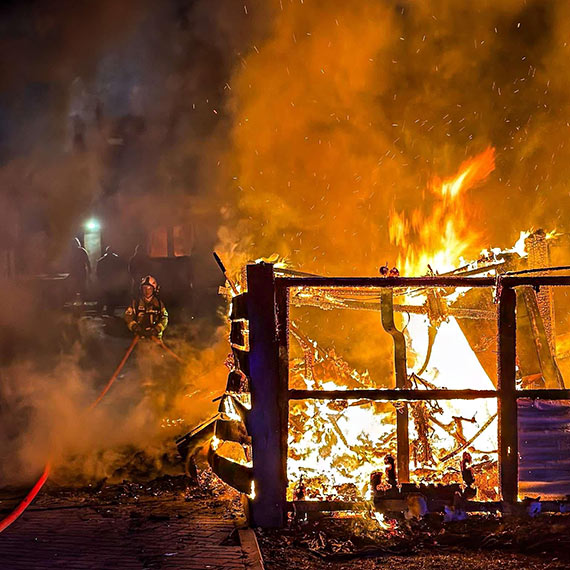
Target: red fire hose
{"points": [[160, 342], [6, 522], [116, 373]]}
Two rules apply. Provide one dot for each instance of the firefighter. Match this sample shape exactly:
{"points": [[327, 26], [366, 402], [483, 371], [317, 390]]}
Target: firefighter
{"points": [[146, 315]]}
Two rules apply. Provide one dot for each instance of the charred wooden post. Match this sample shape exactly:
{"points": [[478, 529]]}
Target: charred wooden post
{"points": [[539, 256], [282, 306], [402, 436], [542, 341], [508, 427], [265, 421]]}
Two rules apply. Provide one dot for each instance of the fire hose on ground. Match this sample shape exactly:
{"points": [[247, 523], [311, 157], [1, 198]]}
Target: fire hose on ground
{"points": [[116, 373], [25, 503], [160, 342], [6, 522]]}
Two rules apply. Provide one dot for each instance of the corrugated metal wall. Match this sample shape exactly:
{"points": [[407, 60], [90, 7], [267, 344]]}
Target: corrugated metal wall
{"points": [[544, 448]]}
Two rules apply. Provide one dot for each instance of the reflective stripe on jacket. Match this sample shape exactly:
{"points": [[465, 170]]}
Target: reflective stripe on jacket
{"points": [[147, 314]]}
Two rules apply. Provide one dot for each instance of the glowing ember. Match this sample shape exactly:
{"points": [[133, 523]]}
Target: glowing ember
{"points": [[379, 518]]}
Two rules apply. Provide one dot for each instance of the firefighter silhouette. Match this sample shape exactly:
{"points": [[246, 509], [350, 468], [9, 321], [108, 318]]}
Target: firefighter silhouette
{"points": [[79, 269]]}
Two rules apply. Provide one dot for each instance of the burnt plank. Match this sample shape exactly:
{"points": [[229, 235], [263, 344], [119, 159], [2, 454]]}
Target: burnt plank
{"points": [[237, 475], [437, 281], [400, 371], [392, 395], [265, 422], [507, 409], [239, 307]]}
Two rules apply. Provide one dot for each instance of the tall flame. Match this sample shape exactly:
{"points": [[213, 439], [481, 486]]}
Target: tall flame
{"points": [[446, 234]]}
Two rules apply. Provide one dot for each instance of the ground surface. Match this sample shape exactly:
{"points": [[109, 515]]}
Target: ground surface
{"points": [[480, 543], [159, 525], [166, 524]]}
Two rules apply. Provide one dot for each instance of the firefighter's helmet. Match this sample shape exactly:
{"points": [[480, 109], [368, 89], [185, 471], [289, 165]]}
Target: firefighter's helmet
{"points": [[150, 280]]}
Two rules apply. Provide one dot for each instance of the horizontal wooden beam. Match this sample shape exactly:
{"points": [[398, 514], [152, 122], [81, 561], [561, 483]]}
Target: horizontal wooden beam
{"points": [[436, 281], [419, 395], [331, 506], [554, 394], [535, 280], [391, 395], [432, 281], [470, 506]]}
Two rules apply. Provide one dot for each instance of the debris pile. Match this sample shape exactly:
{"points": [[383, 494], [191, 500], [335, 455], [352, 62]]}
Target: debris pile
{"points": [[333, 539]]}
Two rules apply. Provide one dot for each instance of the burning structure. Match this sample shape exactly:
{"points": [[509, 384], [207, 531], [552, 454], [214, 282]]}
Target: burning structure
{"points": [[473, 351]]}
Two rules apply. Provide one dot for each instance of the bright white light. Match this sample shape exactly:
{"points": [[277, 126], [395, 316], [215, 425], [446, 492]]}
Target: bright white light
{"points": [[92, 225]]}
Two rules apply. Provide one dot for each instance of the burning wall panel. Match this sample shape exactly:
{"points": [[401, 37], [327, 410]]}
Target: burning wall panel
{"points": [[334, 446]]}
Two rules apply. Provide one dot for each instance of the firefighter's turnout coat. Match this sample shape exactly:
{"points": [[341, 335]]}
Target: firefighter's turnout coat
{"points": [[147, 316]]}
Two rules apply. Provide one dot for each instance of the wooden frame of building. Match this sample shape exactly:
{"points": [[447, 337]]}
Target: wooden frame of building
{"points": [[267, 422]]}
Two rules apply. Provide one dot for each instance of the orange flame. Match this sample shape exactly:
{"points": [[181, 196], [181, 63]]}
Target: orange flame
{"points": [[445, 235]]}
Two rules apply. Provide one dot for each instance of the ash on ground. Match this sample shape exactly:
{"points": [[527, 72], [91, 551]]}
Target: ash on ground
{"points": [[143, 494], [361, 542]]}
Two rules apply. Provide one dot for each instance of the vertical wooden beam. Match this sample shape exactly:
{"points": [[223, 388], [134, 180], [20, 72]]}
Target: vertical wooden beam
{"points": [[282, 304], [268, 508], [401, 373], [543, 344], [508, 428]]}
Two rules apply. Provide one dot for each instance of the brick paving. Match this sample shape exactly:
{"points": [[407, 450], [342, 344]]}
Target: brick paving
{"points": [[165, 532]]}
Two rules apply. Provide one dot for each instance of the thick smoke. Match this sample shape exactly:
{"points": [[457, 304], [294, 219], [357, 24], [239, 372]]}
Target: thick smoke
{"points": [[348, 110], [120, 108], [288, 127], [59, 365], [285, 126]]}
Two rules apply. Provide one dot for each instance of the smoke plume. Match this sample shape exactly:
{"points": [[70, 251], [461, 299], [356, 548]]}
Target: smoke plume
{"points": [[348, 110]]}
